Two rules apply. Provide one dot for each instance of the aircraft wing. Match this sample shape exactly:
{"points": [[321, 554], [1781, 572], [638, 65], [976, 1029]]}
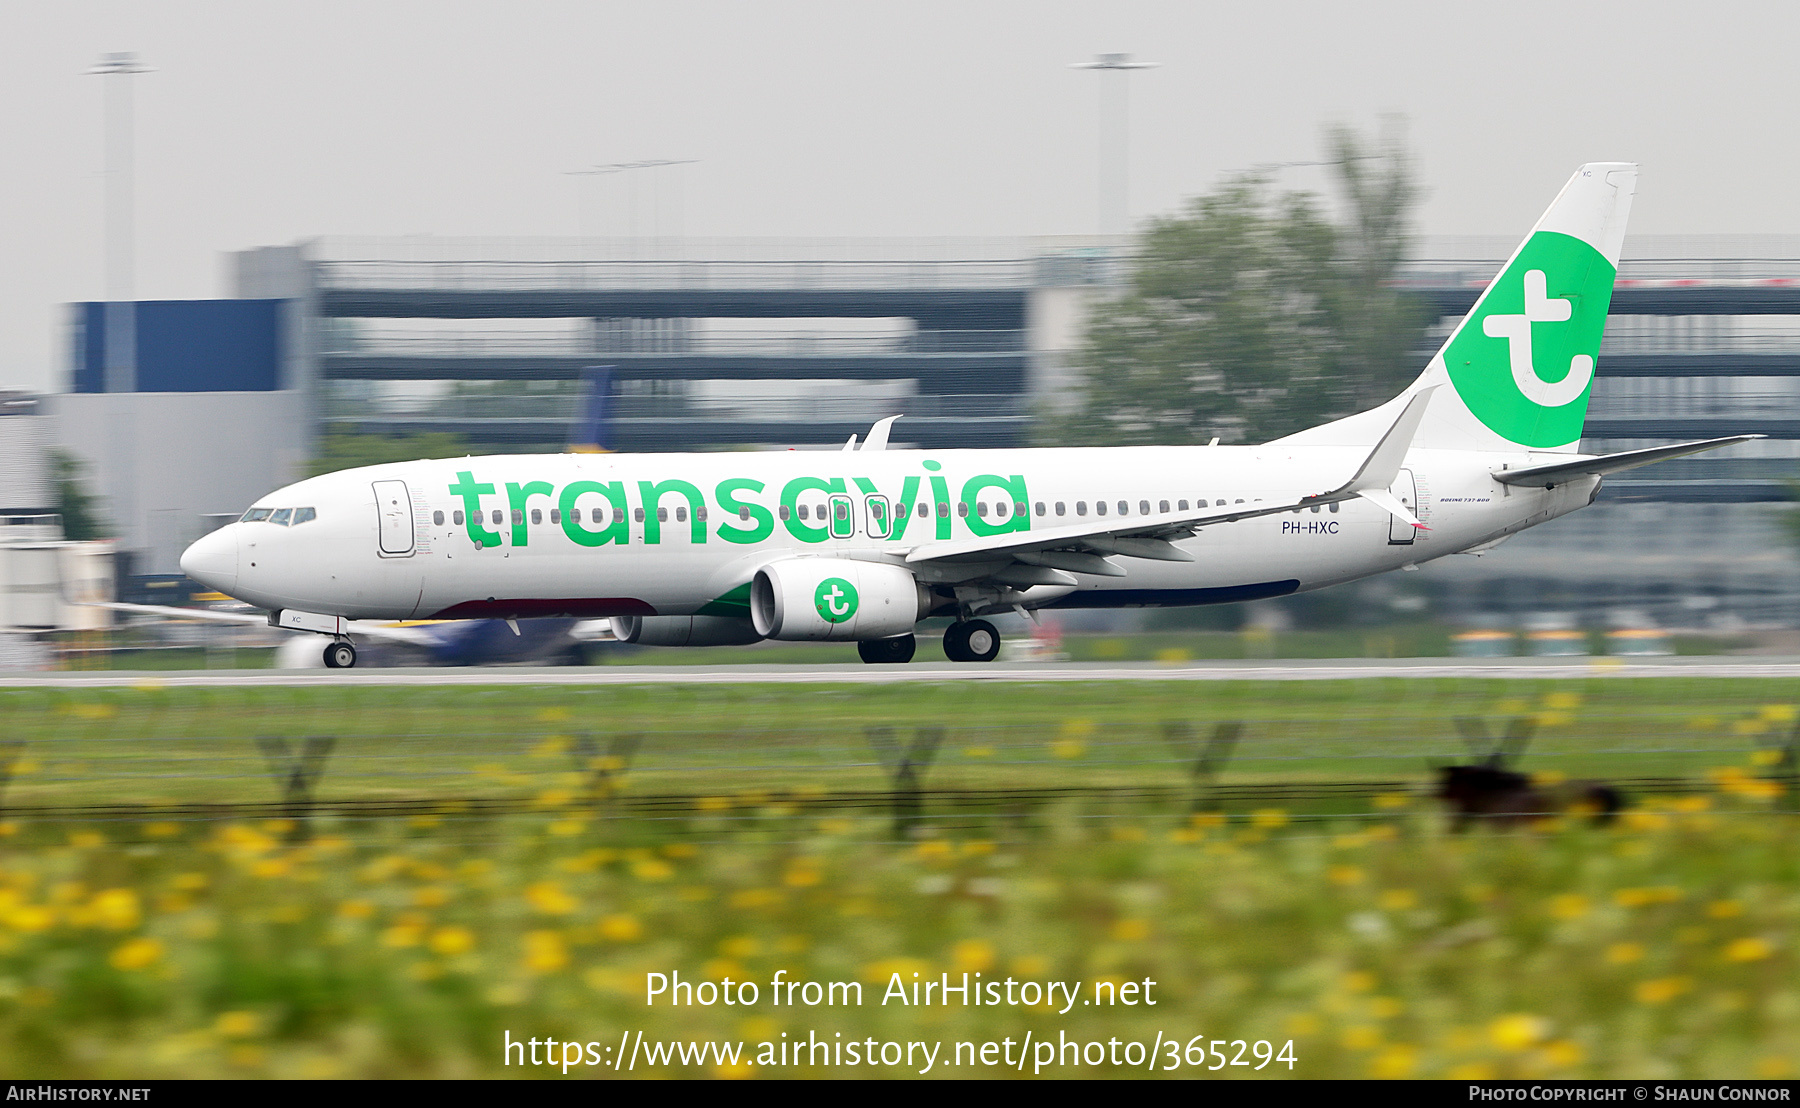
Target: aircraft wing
{"points": [[415, 636], [1082, 547], [1550, 476]]}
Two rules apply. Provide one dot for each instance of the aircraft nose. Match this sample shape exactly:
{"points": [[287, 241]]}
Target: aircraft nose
{"points": [[213, 560]]}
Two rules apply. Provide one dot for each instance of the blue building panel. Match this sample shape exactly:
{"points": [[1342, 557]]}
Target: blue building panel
{"points": [[188, 345]]}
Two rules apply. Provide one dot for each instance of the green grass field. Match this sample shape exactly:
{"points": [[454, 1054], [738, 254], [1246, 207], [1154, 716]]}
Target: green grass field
{"points": [[169, 940]]}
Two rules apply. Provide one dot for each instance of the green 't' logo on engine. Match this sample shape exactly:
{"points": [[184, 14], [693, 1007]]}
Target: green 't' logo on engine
{"points": [[1524, 360], [836, 599]]}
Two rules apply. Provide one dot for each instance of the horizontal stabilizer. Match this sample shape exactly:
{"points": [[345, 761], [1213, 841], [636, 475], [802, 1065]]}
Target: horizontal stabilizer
{"points": [[1384, 500], [1552, 475]]}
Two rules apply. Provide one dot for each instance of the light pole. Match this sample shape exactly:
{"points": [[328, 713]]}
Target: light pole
{"points": [[119, 322], [1115, 139], [626, 167]]}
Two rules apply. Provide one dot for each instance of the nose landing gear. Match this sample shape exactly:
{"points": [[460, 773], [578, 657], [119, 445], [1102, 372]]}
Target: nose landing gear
{"points": [[340, 655], [974, 640]]}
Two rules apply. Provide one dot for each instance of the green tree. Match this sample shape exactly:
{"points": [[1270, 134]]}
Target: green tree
{"points": [[1252, 314], [81, 521], [339, 449]]}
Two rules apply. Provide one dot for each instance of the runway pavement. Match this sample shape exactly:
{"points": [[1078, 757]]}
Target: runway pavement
{"points": [[1335, 669]]}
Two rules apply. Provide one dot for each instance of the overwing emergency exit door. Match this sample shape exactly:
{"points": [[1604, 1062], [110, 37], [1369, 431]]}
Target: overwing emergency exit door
{"points": [[393, 507], [1405, 490]]}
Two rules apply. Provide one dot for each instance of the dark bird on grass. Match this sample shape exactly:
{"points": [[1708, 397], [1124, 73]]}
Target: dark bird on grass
{"points": [[1488, 790]]}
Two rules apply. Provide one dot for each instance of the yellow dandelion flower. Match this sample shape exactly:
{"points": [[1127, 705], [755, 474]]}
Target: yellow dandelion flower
{"points": [[1395, 1063], [1632, 898], [1569, 906], [1268, 818], [1302, 1024], [1344, 875], [1725, 909], [1661, 990], [237, 1025], [1131, 930], [451, 941], [621, 928], [1472, 1071], [1068, 748], [1751, 949], [30, 917], [1385, 1007], [1517, 1032], [1391, 801], [972, 956], [549, 898], [1620, 954], [1772, 1067], [545, 951], [430, 896], [117, 909], [1359, 981], [403, 935], [1361, 1037], [1398, 900], [356, 909], [136, 954], [804, 873], [1564, 1054]]}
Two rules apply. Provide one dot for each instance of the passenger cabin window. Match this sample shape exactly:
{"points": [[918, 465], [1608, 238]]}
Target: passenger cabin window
{"points": [[943, 509], [843, 511], [805, 512], [744, 514], [437, 519], [1040, 508], [1183, 504], [518, 516], [282, 516], [537, 515], [1019, 509], [680, 514], [456, 517], [782, 511], [499, 517], [255, 514], [556, 515], [962, 509], [598, 515], [1334, 507], [1099, 507], [980, 509], [1124, 508], [639, 513], [700, 513], [924, 510], [1059, 507], [1163, 505], [1081, 507]]}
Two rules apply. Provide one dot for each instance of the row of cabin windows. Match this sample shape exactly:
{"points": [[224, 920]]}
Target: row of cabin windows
{"points": [[283, 517], [1000, 509], [597, 515]]}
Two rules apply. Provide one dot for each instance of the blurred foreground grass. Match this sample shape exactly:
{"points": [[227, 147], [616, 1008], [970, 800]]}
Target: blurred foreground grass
{"points": [[146, 945], [1664, 947]]}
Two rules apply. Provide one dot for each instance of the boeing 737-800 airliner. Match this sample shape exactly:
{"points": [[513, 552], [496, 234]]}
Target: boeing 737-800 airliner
{"points": [[859, 545]]}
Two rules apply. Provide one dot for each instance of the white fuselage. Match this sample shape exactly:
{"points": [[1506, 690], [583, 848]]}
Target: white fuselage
{"points": [[683, 534]]}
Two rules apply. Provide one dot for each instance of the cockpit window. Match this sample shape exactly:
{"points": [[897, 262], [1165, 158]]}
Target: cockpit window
{"points": [[281, 516], [304, 515], [255, 514]]}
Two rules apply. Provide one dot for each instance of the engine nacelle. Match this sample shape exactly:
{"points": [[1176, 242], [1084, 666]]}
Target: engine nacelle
{"points": [[684, 630], [836, 599]]}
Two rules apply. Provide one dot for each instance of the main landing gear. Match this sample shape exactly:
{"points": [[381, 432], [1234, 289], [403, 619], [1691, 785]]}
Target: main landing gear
{"points": [[897, 649], [340, 654], [974, 640]]}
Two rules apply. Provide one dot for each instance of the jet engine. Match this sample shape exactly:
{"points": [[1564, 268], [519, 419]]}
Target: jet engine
{"points": [[684, 630], [836, 599]]}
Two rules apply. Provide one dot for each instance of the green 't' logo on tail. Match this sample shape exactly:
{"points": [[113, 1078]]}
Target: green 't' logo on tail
{"points": [[1524, 359]]}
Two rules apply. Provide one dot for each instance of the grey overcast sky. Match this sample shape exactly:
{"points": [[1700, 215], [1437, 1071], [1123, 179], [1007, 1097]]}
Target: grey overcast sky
{"points": [[272, 121]]}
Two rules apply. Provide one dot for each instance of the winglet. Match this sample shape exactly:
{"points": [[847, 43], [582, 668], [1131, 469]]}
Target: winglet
{"points": [[877, 438], [1382, 466]]}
